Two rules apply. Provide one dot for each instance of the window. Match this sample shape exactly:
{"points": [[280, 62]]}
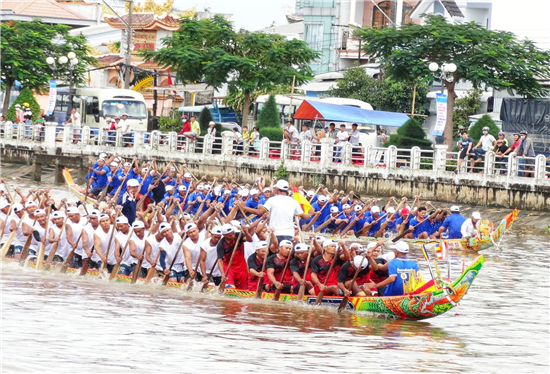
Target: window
{"points": [[92, 106], [314, 35], [381, 15], [134, 109]]}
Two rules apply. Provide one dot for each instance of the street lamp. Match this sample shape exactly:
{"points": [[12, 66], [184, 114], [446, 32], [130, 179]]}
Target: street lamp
{"points": [[63, 60], [447, 70]]}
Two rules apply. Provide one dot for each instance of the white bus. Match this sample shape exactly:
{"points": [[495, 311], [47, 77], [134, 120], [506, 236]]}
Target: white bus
{"points": [[94, 104], [368, 132]]}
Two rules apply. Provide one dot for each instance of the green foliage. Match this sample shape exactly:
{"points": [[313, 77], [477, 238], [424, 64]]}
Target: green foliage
{"points": [[211, 51], [269, 115], [387, 94], [204, 119], [235, 98], [281, 172], [25, 96], [477, 129], [25, 47], [168, 124], [272, 133], [465, 107], [410, 135], [484, 57]]}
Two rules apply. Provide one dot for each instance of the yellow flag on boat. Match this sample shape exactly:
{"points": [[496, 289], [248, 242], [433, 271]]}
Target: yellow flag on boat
{"points": [[441, 250], [306, 206]]}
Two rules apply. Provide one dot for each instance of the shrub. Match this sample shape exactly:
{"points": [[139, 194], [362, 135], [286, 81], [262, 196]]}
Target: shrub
{"points": [[204, 119], [477, 129], [25, 96], [273, 134], [281, 172], [409, 135], [167, 124], [269, 115]]}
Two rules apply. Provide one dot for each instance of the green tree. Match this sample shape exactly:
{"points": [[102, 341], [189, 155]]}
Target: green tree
{"points": [[274, 134], [477, 129], [465, 107], [210, 51], [269, 115], [411, 134], [25, 47], [235, 98], [386, 94], [483, 57], [25, 96], [205, 116]]}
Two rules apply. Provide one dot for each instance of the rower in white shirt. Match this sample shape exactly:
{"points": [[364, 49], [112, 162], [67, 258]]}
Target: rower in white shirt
{"points": [[469, 227]]}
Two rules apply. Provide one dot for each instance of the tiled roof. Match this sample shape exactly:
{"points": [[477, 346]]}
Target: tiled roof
{"points": [[145, 21], [109, 59], [452, 8], [39, 8]]}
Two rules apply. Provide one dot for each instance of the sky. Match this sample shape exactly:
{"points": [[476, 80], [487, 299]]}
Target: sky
{"points": [[251, 15]]}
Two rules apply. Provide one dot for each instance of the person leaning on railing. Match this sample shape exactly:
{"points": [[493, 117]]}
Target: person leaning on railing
{"points": [[501, 158], [526, 149]]}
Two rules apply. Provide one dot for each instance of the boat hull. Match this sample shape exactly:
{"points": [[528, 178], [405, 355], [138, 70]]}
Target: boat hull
{"points": [[75, 189]]}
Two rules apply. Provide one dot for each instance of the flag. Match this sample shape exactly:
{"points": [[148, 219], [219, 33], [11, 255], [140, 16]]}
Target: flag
{"points": [[425, 252], [170, 83], [441, 250], [89, 79], [306, 206]]}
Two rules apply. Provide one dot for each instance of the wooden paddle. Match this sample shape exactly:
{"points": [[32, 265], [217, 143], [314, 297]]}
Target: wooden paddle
{"points": [[26, 247], [42, 248], [385, 224], [221, 287], [345, 299], [116, 268], [317, 215], [49, 260], [69, 258], [277, 293], [411, 229], [7, 244], [104, 264], [322, 292], [7, 216], [302, 289], [167, 276], [260, 287], [137, 268], [368, 226], [191, 281], [325, 224], [205, 286], [152, 270]]}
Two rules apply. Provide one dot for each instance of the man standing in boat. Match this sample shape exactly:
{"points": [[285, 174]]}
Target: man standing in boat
{"points": [[282, 210], [400, 270], [100, 176], [128, 200]]}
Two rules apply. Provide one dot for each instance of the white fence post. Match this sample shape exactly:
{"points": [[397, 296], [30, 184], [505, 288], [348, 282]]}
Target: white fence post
{"points": [[227, 143], [49, 134], [85, 137], [8, 130], [67, 134], [489, 164], [264, 149], [173, 141], [155, 139], [139, 138], [346, 153], [512, 165], [306, 152], [391, 157], [327, 145], [119, 142], [540, 167], [440, 158], [207, 144], [416, 154]]}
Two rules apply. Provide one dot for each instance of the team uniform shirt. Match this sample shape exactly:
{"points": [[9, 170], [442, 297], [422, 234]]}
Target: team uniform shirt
{"points": [[400, 268], [62, 244], [155, 248], [173, 255], [104, 238], [35, 244], [129, 205], [359, 223], [211, 258], [101, 180], [453, 224], [434, 227], [374, 228], [194, 197], [321, 267], [422, 227], [145, 184], [282, 210], [140, 250], [20, 238], [347, 272], [468, 229], [257, 264], [77, 230], [298, 266], [278, 265], [238, 272], [325, 213], [90, 231], [122, 240], [195, 249]]}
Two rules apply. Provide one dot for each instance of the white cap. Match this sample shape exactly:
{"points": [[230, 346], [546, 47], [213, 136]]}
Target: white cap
{"points": [[371, 245], [200, 187], [73, 210], [169, 188], [164, 226], [56, 214], [235, 223], [285, 243], [328, 242], [17, 207], [189, 226], [390, 210], [207, 186], [30, 203], [266, 189], [320, 239], [254, 191], [172, 168], [402, 247], [334, 209], [100, 159], [103, 155], [375, 209], [359, 246], [104, 216], [187, 175], [122, 220], [182, 188], [4, 203], [113, 164], [216, 230], [476, 215], [359, 260], [358, 208], [227, 229], [211, 123], [138, 225], [127, 164], [187, 215], [282, 185], [133, 183], [261, 244], [124, 114], [322, 199], [346, 206], [301, 247], [227, 192], [455, 208], [144, 170], [94, 212], [244, 192], [388, 256], [310, 193], [39, 212]]}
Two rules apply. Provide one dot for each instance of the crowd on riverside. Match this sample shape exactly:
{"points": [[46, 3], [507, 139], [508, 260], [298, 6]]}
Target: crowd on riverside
{"points": [[146, 218]]}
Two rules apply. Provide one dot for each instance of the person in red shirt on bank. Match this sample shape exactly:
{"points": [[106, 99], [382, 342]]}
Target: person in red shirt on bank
{"points": [[321, 265], [186, 128], [238, 273]]}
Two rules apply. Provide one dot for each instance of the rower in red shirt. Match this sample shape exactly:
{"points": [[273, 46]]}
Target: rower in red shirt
{"points": [[321, 265], [276, 265], [297, 268], [255, 264], [238, 273]]}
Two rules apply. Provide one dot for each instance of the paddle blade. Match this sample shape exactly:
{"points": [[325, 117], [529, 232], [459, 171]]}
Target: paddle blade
{"points": [[343, 304], [221, 287], [277, 295], [7, 244], [301, 292], [137, 270], [40, 260], [150, 275], [25, 251], [401, 235], [114, 272], [259, 288], [191, 284], [85, 265], [319, 297], [165, 279]]}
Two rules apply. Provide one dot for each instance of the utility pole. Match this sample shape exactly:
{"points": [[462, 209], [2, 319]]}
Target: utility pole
{"points": [[130, 43]]}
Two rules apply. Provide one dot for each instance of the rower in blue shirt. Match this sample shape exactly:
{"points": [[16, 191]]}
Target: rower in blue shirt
{"points": [[100, 177], [422, 225], [452, 224], [321, 206]]}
